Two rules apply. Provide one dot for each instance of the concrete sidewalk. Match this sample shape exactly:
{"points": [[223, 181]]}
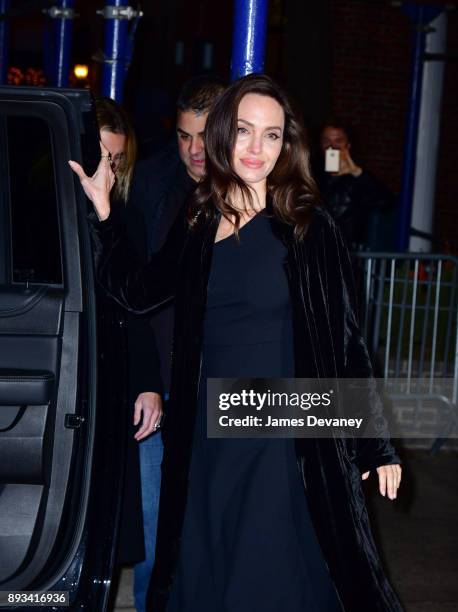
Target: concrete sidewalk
{"points": [[417, 535]]}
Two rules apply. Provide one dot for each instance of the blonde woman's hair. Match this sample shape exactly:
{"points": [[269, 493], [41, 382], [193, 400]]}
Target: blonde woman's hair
{"points": [[113, 118]]}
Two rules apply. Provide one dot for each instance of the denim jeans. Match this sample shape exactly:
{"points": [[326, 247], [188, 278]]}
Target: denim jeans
{"points": [[150, 470]]}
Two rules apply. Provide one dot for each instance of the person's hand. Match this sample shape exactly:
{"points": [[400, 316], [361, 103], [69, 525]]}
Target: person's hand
{"points": [[98, 186], [347, 165], [389, 479], [148, 405]]}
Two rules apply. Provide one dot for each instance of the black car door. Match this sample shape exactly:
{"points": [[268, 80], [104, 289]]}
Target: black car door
{"points": [[61, 399]]}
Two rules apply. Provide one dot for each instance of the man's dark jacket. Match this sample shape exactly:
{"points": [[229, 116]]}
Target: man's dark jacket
{"points": [[143, 375], [328, 344], [352, 200], [160, 188]]}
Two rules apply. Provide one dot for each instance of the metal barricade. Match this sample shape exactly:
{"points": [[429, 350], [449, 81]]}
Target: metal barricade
{"points": [[409, 306]]}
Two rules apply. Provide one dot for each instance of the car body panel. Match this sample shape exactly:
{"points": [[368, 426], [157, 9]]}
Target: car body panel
{"points": [[62, 392]]}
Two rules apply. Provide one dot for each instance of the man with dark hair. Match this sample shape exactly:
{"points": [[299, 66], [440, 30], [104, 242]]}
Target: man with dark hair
{"points": [[199, 93], [351, 193], [160, 188], [162, 183]]}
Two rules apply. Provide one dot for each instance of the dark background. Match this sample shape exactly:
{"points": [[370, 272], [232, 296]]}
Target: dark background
{"points": [[350, 58]]}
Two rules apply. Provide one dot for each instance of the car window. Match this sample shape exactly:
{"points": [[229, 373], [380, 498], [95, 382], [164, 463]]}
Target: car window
{"points": [[35, 251]]}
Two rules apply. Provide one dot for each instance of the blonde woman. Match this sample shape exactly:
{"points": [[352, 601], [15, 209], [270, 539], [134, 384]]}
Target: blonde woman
{"points": [[143, 468]]}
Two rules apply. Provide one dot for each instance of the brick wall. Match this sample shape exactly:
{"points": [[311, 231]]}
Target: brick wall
{"points": [[370, 73]]}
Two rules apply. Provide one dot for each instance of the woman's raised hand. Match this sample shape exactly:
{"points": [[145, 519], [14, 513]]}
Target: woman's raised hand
{"points": [[98, 186]]}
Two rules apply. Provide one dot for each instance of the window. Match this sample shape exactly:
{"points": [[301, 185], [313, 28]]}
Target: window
{"points": [[35, 241]]}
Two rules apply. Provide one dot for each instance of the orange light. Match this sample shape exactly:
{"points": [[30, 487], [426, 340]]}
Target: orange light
{"points": [[81, 71]]}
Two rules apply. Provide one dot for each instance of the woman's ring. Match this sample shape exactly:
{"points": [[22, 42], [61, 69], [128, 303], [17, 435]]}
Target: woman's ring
{"points": [[106, 156]]}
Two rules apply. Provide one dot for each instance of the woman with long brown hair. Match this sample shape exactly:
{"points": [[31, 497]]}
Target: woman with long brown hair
{"points": [[263, 289]]}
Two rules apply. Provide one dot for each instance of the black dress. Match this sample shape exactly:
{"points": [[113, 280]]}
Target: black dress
{"points": [[248, 544]]}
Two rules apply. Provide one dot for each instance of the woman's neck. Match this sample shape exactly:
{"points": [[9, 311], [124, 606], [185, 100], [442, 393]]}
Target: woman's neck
{"points": [[243, 204]]}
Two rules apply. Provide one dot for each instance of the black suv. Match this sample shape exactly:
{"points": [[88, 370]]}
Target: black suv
{"points": [[62, 395]]}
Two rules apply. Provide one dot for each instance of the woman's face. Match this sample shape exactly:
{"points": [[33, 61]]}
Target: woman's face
{"points": [[259, 141], [116, 145]]}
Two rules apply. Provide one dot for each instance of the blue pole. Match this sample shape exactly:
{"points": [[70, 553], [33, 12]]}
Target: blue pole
{"points": [[420, 15], [4, 40], [249, 38], [116, 30], [63, 15]]}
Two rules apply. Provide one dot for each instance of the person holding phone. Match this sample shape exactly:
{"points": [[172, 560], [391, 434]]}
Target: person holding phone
{"points": [[350, 192]]}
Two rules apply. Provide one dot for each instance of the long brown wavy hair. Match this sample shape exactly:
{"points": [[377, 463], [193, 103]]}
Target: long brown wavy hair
{"points": [[290, 185]]}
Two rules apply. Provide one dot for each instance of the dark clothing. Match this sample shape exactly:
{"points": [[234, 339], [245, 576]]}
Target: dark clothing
{"points": [[144, 365], [351, 200], [180, 187], [160, 187], [242, 312], [143, 375], [234, 556], [327, 344]]}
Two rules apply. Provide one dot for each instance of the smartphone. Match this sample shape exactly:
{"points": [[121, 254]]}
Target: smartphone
{"points": [[332, 160]]}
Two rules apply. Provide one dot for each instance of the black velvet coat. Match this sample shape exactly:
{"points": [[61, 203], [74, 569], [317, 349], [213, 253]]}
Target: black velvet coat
{"points": [[328, 344]]}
